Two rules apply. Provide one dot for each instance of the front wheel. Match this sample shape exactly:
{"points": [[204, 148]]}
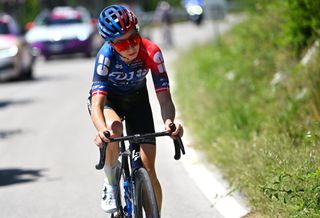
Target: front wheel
{"points": [[145, 200]]}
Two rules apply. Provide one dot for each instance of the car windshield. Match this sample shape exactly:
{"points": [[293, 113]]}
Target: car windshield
{"points": [[62, 16], [4, 29], [61, 21]]}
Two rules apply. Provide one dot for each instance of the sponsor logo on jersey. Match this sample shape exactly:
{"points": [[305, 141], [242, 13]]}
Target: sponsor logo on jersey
{"points": [[103, 65], [158, 58], [135, 76], [121, 75], [118, 66]]}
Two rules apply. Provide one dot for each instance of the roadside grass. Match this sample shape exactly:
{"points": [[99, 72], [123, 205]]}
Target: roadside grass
{"points": [[255, 111]]}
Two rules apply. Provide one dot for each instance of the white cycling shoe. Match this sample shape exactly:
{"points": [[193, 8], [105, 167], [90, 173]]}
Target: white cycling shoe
{"points": [[108, 200]]}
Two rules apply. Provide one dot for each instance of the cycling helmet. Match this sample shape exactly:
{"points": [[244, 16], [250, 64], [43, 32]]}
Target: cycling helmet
{"points": [[114, 21]]}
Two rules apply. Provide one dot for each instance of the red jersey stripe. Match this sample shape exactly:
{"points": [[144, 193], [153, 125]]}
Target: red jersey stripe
{"points": [[162, 89], [99, 92]]}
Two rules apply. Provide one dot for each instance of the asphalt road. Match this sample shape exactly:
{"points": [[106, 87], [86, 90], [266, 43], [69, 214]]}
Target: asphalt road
{"points": [[47, 155]]}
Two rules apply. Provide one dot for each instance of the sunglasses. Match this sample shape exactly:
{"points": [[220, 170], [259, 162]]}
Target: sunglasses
{"points": [[123, 45]]}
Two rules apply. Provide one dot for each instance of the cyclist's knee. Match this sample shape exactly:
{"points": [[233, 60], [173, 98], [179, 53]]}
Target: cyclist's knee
{"points": [[117, 128]]}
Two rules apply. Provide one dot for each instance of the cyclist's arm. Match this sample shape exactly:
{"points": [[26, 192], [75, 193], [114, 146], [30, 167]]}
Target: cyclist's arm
{"points": [[161, 83], [167, 107], [99, 91], [97, 106], [168, 112]]}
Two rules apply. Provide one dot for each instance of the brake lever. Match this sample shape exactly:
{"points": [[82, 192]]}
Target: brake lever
{"points": [[178, 145], [102, 153]]}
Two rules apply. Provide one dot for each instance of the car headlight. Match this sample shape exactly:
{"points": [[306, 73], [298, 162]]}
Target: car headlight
{"points": [[13, 50], [56, 37], [9, 51], [83, 36], [194, 10]]}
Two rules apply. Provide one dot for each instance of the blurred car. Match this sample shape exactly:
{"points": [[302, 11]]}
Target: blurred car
{"points": [[16, 59], [63, 30], [195, 10]]}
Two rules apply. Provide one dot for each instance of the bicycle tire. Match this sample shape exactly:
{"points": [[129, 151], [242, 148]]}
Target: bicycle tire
{"points": [[122, 212], [119, 213], [143, 187]]}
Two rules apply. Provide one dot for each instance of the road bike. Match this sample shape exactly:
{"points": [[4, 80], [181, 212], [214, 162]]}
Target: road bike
{"points": [[135, 195]]}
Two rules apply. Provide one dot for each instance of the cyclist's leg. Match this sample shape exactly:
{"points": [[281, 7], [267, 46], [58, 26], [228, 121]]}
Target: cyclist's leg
{"points": [[112, 166], [139, 120], [113, 122]]}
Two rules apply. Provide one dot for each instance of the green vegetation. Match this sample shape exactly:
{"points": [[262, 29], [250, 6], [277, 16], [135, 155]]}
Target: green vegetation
{"points": [[256, 109], [26, 11]]}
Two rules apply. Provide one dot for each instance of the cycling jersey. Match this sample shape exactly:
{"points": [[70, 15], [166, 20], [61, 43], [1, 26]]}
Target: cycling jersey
{"points": [[111, 74]]}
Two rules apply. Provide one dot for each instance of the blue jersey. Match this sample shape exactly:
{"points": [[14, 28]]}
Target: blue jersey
{"points": [[111, 74]]}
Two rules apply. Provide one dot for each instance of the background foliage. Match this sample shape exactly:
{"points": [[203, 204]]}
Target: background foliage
{"points": [[260, 120], [302, 23], [27, 10], [301, 19]]}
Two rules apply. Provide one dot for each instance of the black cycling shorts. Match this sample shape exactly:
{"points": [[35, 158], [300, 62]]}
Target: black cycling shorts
{"points": [[135, 109]]}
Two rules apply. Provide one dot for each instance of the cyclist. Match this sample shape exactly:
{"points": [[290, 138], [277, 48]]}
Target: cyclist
{"points": [[119, 90], [163, 14]]}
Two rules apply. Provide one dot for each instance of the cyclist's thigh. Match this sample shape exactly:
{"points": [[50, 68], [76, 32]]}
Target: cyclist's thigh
{"points": [[148, 156], [113, 115], [113, 120]]}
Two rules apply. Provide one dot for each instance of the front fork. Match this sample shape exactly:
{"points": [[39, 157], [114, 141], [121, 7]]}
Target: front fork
{"points": [[128, 184]]}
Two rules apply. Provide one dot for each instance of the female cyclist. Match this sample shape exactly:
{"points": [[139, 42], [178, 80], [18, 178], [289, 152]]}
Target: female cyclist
{"points": [[119, 90]]}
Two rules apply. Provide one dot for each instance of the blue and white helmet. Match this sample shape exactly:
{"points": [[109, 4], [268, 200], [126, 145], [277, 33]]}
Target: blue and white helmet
{"points": [[114, 21]]}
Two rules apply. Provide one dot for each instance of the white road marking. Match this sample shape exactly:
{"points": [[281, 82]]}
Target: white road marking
{"points": [[212, 185]]}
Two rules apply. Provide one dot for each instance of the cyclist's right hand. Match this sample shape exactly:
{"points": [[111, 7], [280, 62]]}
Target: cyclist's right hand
{"points": [[100, 138]]}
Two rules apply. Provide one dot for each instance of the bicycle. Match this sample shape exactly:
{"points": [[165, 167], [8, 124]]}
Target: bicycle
{"points": [[137, 194]]}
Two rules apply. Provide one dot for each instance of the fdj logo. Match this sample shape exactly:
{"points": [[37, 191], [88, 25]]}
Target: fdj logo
{"points": [[133, 75], [135, 155], [122, 75]]}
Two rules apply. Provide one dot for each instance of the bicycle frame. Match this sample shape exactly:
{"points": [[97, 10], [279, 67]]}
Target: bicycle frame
{"points": [[128, 180], [131, 162]]}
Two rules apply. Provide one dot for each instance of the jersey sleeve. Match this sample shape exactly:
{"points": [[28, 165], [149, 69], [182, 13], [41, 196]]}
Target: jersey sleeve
{"points": [[101, 70], [158, 69]]}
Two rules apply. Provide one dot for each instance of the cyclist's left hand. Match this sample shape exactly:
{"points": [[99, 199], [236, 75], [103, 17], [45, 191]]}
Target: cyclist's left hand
{"points": [[177, 133]]}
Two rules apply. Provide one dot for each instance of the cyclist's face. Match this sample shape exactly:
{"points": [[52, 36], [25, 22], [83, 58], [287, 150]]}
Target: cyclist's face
{"points": [[127, 45]]}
